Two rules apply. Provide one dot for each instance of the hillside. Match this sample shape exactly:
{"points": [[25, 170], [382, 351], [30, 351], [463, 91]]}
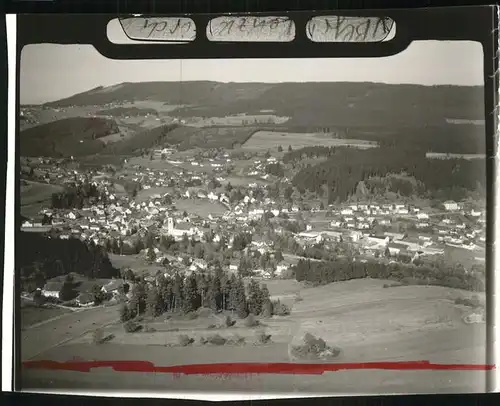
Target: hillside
{"points": [[309, 104], [76, 136], [127, 111]]}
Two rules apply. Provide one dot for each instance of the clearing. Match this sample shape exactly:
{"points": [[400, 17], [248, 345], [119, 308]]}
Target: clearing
{"points": [[35, 192], [147, 194], [30, 314], [200, 207], [35, 196], [136, 263], [264, 140]]}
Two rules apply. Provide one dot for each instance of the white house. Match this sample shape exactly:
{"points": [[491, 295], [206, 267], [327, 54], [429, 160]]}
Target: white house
{"points": [[281, 268], [450, 205], [422, 216]]}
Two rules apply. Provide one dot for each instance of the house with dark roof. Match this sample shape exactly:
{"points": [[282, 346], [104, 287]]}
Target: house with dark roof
{"points": [[52, 289], [85, 299]]}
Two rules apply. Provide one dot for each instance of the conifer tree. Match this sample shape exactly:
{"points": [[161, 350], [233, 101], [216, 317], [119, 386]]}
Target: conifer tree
{"points": [[177, 292], [254, 298], [167, 294], [241, 300], [152, 302], [202, 288], [225, 289], [233, 293], [191, 296]]}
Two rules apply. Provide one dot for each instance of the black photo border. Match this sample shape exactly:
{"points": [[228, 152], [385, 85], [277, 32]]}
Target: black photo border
{"points": [[448, 23]]}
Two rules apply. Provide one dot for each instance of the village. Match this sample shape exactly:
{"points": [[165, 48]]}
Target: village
{"points": [[384, 231]]}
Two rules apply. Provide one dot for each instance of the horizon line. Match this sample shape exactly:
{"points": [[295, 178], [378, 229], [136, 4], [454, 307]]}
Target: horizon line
{"points": [[252, 83]]}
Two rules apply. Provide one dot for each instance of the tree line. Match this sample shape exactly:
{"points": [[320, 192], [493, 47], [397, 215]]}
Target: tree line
{"points": [[343, 269]]}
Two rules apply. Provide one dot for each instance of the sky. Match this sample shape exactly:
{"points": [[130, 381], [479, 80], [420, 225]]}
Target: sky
{"points": [[50, 72]]}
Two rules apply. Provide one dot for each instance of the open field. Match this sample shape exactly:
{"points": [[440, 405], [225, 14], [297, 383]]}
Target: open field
{"points": [[240, 119], [159, 164], [31, 315], [36, 196], [41, 338], [146, 194], [272, 139], [443, 155], [366, 321], [243, 181], [463, 256], [135, 262], [159, 106], [35, 192], [200, 207]]}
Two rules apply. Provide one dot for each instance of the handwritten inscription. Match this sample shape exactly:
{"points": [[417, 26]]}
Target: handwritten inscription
{"points": [[251, 29], [159, 28], [349, 29]]}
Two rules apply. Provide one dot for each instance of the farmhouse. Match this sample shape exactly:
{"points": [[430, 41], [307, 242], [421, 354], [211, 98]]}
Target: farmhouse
{"points": [[450, 205], [112, 287], [52, 289], [85, 300]]}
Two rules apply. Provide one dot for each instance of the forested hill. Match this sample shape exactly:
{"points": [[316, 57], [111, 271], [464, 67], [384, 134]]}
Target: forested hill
{"points": [[339, 176], [54, 257], [309, 104]]}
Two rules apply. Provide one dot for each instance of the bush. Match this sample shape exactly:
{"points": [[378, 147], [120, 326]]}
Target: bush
{"points": [[262, 337], [184, 340], [191, 316], [267, 309], [131, 326], [236, 340], [212, 327], [216, 340], [280, 309], [97, 337], [470, 302], [392, 285], [314, 348], [229, 322], [148, 329], [250, 321]]}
